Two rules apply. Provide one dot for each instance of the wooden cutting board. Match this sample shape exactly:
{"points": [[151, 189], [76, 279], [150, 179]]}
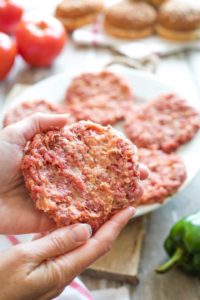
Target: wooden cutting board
{"points": [[122, 262]]}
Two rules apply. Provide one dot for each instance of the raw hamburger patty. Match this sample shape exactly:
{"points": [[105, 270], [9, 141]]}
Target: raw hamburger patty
{"points": [[26, 109], [167, 173], [99, 97], [83, 173], [98, 110], [165, 123]]}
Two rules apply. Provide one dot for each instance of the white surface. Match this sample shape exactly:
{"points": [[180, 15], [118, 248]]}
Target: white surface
{"points": [[145, 87], [95, 35], [121, 293]]}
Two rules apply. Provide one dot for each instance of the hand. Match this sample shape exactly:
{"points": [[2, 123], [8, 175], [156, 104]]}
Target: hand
{"points": [[42, 268], [17, 211]]}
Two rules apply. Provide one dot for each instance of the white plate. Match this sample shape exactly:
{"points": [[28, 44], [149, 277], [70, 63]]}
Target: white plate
{"points": [[145, 87]]}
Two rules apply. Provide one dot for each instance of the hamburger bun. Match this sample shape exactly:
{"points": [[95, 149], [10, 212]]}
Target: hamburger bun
{"points": [[130, 20]]}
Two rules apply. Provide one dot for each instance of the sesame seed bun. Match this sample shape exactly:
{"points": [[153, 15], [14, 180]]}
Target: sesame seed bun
{"points": [[131, 20], [179, 20], [77, 13], [179, 36]]}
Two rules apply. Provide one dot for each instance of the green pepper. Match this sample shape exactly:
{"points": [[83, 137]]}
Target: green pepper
{"points": [[183, 245]]}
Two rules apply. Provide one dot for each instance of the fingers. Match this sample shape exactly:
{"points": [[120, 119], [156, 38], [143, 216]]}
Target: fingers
{"points": [[21, 132], [139, 190], [60, 271], [43, 122], [38, 236], [75, 262], [144, 172], [61, 241]]}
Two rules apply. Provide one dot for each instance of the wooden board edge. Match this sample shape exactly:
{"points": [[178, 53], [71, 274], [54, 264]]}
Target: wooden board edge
{"points": [[116, 276]]}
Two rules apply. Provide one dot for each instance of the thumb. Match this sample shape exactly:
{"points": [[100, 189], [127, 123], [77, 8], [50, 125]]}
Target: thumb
{"points": [[61, 241], [21, 132]]}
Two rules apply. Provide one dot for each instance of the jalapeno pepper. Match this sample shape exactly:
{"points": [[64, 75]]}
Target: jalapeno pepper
{"points": [[183, 245]]}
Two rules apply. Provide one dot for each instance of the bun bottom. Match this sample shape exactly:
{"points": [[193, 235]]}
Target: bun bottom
{"points": [[127, 33], [72, 23], [178, 36]]}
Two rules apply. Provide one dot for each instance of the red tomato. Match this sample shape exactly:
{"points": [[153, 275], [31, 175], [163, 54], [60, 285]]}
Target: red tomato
{"points": [[7, 54], [40, 41], [10, 15]]}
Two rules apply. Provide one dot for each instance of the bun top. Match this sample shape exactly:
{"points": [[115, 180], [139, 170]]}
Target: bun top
{"points": [[131, 15], [78, 8], [180, 15]]}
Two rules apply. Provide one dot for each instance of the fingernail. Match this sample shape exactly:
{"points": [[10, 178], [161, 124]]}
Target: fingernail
{"points": [[131, 211], [138, 192], [81, 232]]}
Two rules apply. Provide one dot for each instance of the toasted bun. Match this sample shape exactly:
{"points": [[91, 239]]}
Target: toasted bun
{"points": [[72, 23], [180, 15], [130, 19], [179, 36], [78, 8], [127, 34], [77, 13]]}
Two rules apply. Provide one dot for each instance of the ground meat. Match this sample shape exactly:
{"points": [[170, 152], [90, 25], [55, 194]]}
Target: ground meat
{"points": [[83, 173], [98, 111], [165, 123], [28, 108], [167, 173], [99, 97]]}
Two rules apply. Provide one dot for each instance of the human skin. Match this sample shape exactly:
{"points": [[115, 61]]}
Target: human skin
{"points": [[18, 214], [40, 269]]}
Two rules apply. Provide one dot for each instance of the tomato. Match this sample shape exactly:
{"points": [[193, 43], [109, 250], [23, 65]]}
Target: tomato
{"points": [[7, 54], [40, 41], [10, 15]]}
